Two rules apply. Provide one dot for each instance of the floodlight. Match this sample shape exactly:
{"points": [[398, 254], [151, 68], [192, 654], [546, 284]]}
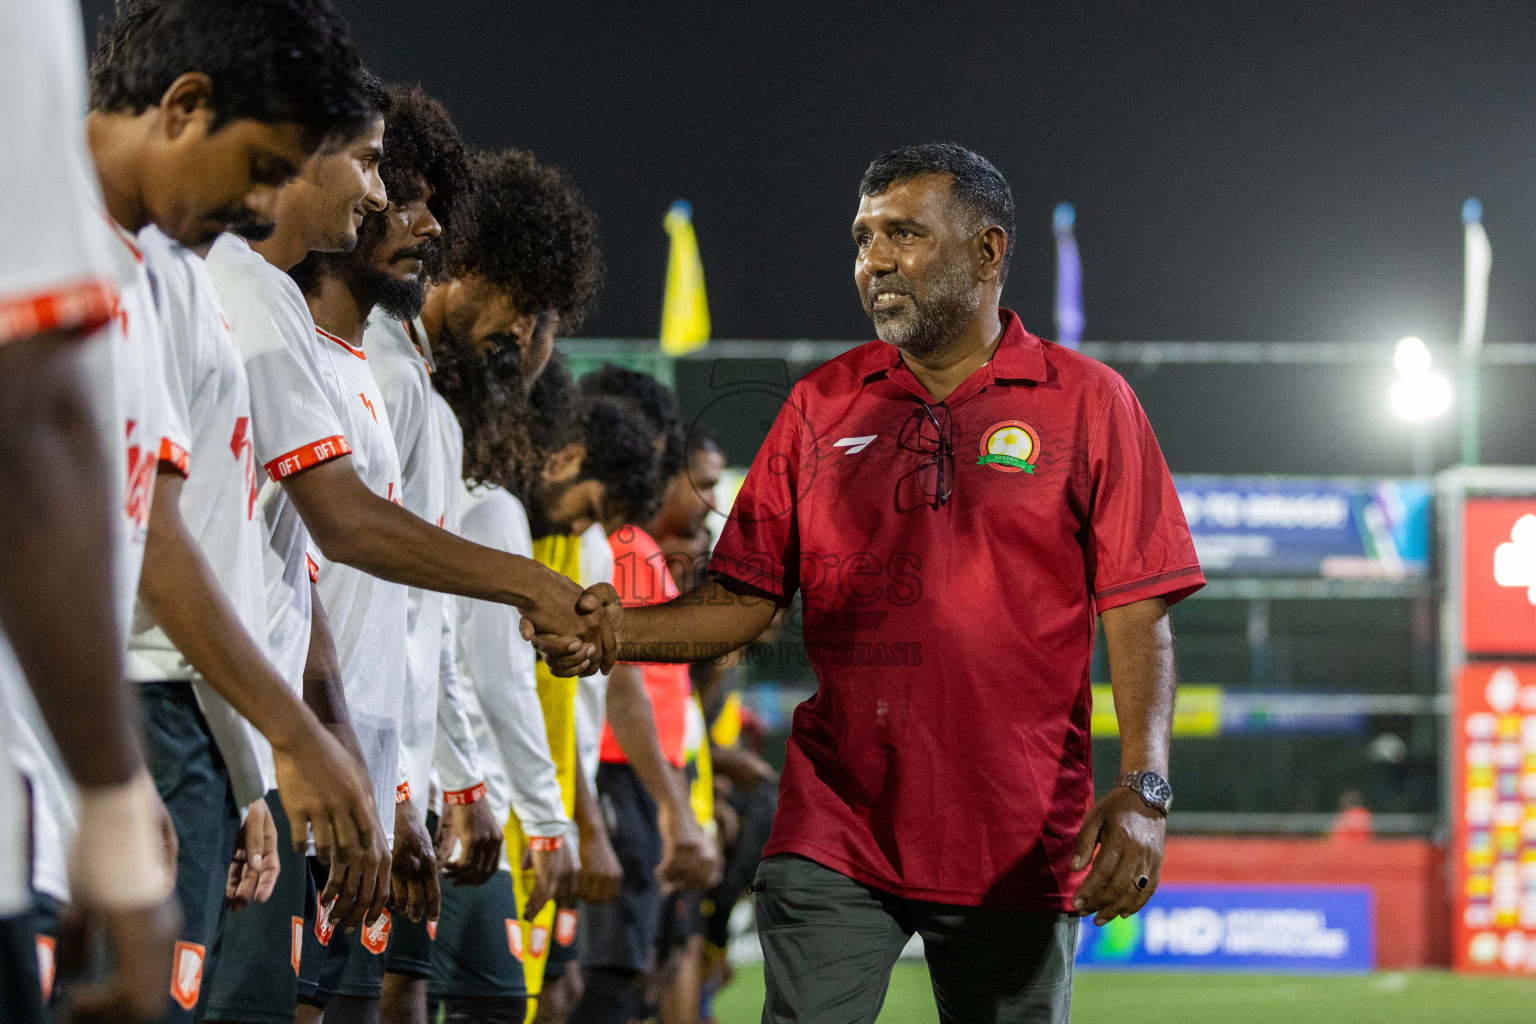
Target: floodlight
{"points": [[1421, 397], [1411, 357]]}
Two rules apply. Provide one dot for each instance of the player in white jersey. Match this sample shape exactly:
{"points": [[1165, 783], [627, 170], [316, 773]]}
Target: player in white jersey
{"points": [[303, 413], [63, 482], [202, 583], [425, 171], [192, 153]]}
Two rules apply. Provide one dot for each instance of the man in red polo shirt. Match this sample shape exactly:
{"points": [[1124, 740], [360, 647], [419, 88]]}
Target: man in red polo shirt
{"points": [[955, 503]]}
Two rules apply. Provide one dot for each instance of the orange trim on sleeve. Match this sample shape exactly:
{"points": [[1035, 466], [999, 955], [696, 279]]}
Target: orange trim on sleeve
{"points": [[458, 797], [542, 843], [175, 455], [308, 455], [402, 792], [82, 305]]}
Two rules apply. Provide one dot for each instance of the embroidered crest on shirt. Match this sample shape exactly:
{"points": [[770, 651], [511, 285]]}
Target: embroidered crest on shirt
{"points": [[1010, 447]]}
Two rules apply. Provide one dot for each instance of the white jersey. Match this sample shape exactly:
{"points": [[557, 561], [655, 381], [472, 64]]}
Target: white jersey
{"points": [[264, 309], [499, 665], [596, 562], [141, 431], [207, 388], [456, 766], [403, 375], [60, 275], [75, 271], [313, 399]]}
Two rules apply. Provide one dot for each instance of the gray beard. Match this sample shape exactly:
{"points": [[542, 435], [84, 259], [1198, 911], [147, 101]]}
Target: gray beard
{"points": [[935, 319]]}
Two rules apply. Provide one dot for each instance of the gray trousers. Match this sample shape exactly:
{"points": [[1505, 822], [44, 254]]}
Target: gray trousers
{"points": [[829, 944]]}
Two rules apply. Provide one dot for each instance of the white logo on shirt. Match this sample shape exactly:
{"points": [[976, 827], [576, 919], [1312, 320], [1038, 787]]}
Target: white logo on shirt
{"points": [[854, 444]]}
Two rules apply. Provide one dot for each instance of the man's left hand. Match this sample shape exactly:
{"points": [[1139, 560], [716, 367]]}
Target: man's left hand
{"points": [[1129, 835], [253, 871], [416, 888], [472, 828]]}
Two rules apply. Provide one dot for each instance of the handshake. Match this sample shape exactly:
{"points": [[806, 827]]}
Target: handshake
{"points": [[576, 630]]}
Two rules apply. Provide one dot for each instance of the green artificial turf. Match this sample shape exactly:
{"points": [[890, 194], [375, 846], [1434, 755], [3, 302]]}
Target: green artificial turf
{"points": [[1100, 997]]}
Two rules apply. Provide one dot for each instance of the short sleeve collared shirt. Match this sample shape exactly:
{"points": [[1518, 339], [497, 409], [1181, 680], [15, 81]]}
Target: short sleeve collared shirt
{"points": [[951, 559]]}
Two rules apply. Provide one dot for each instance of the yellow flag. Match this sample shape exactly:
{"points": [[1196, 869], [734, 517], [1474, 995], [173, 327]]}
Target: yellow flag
{"points": [[684, 310]]}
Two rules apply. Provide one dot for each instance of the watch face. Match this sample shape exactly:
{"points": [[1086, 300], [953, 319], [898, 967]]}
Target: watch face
{"points": [[1155, 790]]}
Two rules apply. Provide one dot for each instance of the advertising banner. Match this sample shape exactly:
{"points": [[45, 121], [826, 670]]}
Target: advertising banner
{"points": [[1498, 576], [1272, 928], [1291, 526], [1495, 823]]}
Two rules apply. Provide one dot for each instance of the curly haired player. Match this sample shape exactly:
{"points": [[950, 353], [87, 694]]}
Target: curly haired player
{"points": [[524, 259]]}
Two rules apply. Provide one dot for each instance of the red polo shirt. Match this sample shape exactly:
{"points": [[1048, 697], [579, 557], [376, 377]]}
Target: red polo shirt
{"points": [[946, 754]]}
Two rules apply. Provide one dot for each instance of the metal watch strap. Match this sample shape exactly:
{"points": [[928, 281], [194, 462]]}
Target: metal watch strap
{"points": [[1133, 782]]}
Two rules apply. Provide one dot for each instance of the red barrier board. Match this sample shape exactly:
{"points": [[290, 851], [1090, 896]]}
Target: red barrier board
{"points": [[1498, 600], [1407, 876], [1494, 827]]}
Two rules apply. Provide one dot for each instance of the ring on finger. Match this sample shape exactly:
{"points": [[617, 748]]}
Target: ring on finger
{"points": [[1142, 881]]}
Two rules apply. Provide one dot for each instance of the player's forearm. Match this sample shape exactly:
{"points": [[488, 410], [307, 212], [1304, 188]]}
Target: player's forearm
{"points": [[356, 527], [323, 693], [633, 722], [709, 622], [179, 589], [1141, 673], [57, 605], [588, 815]]}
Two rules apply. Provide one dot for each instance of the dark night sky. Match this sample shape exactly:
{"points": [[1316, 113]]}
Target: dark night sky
{"points": [[1278, 171]]}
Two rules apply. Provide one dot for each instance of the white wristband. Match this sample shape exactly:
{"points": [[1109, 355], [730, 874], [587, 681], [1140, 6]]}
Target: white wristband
{"points": [[119, 856]]}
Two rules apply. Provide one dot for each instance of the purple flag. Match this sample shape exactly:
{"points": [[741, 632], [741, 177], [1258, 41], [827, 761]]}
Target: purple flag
{"points": [[1069, 279]]}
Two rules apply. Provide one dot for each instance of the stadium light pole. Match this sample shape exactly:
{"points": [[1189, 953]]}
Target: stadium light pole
{"points": [[1419, 396]]}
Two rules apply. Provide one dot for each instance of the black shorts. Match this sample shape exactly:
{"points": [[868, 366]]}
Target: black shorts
{"points": [[274, 953], [189, 772], [682, 918], [622, 934], [474, 956], [562, 951], [45, 923], [410, 942], [350, 965], [20, 988]]}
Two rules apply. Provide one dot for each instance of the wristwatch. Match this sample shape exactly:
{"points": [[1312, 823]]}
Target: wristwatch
{"points": [[1151, 787]]}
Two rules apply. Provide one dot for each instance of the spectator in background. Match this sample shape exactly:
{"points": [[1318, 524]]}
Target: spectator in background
{"points": [[1353, 822], [681, 526]]}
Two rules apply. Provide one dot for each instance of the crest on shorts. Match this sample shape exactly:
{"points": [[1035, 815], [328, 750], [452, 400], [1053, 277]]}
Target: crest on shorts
{"points": [[324, 926], [45, 947], [538, 940], [515, 938], [375, 937], [565, 926], [186, 974], [1010, 447]]}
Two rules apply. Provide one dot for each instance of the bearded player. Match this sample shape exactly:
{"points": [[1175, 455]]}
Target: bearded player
{"points": [[382, 282]]}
